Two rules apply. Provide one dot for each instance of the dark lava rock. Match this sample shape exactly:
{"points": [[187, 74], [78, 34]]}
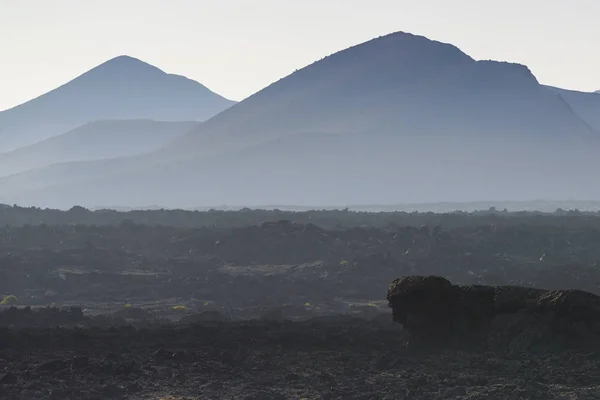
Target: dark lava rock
{"points": [[273, 315], [136, 313], [214, 385], [292, 377], [456, 392], [8, 379], [112, 391], [59, 394], [424, 305], [504, 318], [52, 366], [80, 362], [162, 354], [205, 316], [41, 317], [134, 388]]}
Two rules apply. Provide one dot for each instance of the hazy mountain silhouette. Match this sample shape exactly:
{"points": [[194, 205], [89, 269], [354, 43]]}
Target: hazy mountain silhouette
{"points": [[398, 84], [586, 105], [397, 119], [121, 88], [324, 169], [93, 141]]}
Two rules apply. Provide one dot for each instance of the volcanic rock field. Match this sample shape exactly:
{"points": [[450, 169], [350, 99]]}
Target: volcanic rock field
{"points": [[258, 304]]}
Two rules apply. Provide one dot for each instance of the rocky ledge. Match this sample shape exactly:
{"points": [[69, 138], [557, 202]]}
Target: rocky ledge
{"points": [[507, 319]]}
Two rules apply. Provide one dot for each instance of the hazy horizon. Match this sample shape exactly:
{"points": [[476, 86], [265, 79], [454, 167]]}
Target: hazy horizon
{"points": [[230, 46]]}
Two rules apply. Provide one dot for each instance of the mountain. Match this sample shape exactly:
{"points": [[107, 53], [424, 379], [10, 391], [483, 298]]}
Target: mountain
{"points": [[586, 105], [398, 84], [398, 119], [121, 88], [95, 140]]}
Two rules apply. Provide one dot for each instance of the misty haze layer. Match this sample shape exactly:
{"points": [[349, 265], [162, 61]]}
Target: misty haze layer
{"points": [[94, 141], [398, 119]]}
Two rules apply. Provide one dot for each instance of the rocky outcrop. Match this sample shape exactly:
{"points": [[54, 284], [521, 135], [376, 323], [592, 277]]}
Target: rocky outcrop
{"points": [[500, 318]]}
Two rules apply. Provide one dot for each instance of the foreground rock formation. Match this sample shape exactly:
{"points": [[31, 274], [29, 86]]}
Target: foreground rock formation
{"points": [[500, 318]]}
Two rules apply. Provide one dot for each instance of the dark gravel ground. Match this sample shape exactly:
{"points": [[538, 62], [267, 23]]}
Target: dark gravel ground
{"points": [[129, 269], [322, 358]]}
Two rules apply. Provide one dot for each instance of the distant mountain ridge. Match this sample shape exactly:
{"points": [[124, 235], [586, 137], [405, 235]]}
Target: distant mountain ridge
{"points": [[584, 104], [397, 119], [94, 141], [121, 88]]}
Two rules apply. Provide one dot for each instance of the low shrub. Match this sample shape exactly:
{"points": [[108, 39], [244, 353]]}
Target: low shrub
{"points": [[8, 300]]}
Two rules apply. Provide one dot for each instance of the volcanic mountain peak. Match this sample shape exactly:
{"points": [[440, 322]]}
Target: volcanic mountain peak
{"points": [[120, 88], [397, 53], [123, 67], [127, 61], [397, 84], [124, 62]]}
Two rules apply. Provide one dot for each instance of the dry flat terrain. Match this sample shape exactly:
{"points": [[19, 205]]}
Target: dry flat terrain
{"points": [[275, 309]]}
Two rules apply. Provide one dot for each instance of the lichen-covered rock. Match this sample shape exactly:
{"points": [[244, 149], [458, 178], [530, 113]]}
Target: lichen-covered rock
{"points": [[509, 299], [574, 317], [501, 318]]}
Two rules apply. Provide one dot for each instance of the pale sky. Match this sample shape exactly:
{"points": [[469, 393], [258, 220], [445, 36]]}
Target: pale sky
{"points": [[237, 47]]}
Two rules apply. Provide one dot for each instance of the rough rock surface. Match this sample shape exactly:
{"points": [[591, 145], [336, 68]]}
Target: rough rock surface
{"points": [[164, 311], [500, 318], [322, 358]]}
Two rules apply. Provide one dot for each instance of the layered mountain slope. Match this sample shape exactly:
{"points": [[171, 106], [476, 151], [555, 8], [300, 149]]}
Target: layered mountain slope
{"points": [[586, 105], [93, 141], [325, 169], [121, 88], [397, 119]]}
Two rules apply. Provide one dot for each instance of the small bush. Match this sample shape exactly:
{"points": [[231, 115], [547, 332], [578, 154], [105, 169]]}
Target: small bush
{"points": [[10, 299]]}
